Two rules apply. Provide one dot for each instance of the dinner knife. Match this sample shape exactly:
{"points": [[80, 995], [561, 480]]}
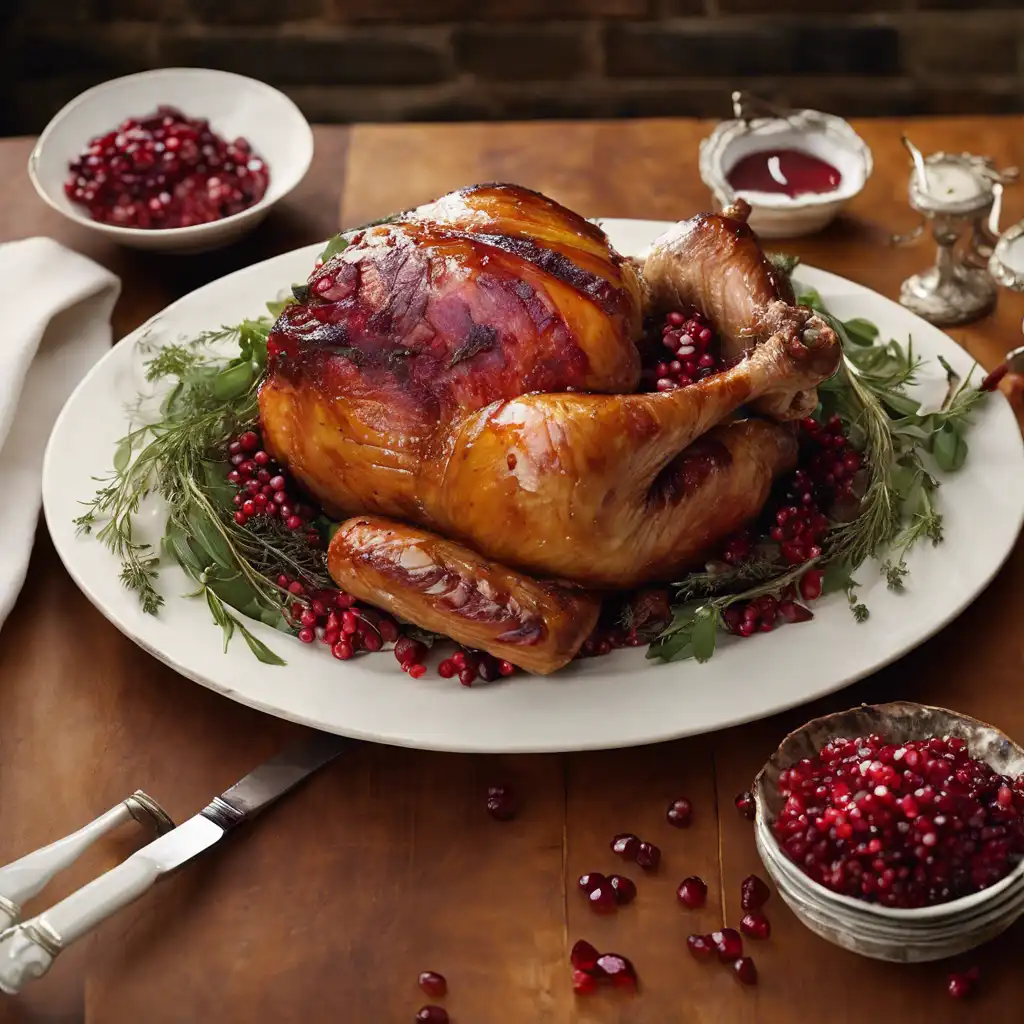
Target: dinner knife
{"points": [[27, 950]]}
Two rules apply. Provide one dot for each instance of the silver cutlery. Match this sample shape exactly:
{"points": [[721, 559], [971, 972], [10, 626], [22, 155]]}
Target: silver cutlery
{"points": [[28, 949], [25, 878]]}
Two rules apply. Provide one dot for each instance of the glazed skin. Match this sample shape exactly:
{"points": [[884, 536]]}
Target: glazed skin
{"points": [[471, 370]]}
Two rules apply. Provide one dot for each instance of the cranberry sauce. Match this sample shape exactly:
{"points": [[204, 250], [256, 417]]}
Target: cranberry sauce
{"points": [[789, 171], [165, 170]]}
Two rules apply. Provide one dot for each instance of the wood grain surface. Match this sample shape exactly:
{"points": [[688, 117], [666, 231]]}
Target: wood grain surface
{"points": [[386, 864]]}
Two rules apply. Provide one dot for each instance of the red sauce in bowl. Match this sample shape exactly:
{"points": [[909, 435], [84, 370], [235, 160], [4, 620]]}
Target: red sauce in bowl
{"points": [[165, 170], [790, 172]]}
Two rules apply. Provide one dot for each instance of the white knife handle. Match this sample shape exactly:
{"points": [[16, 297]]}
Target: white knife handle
{"points": [[28, 949], [26, 877]]}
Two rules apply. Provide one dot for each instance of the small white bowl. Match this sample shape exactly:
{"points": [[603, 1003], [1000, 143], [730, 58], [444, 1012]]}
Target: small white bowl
{"points": [[774, 215], [886, 933], [233, 104]]}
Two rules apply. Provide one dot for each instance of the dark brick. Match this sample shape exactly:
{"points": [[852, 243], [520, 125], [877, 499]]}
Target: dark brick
{"points": [[964, 45], [254, 12], [108, 53], [451, 101], [771, 48], [356, 11], [300, 60], [167, 11], [806, 6], [956, 98], [672, 8], [694, 51], [851, 97], [522, 53], [831, 49], [30, 105], [43, 12], [970, 5]]}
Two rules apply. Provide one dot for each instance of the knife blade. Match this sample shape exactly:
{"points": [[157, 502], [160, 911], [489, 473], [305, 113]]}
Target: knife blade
{"points": [[27, 950]]}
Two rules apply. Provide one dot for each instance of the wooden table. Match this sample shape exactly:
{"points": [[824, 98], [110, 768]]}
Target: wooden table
{"points": [[386, 863]]}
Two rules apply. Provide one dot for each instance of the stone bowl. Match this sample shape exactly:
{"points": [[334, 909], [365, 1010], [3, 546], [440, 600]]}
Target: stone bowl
{"points": [[887, 933]]}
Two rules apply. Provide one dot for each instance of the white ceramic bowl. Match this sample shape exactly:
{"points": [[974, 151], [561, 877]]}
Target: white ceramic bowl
{"points": [[885, 933], [775, 215], [234, 105]]}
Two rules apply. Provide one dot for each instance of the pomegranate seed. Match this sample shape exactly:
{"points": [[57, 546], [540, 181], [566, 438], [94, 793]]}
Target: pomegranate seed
{"points": [[409, 652], [583, 983], [754, 893], [432, 1015], [692, 892], [648, 856], [745, 805], [624, 889], [446, 669], [618, 969], [679, 813], [745, 971], [433, 984], [506, 668], [756, 925], [249, 441], [500, 803], [626, 845], [701, 947], [295, 587], [466, 676], [602, 898], [306, 635], [241, 518], [417, 670], [728, 944], [591, 880], [342, 650], [810, 584], [583, 956]]}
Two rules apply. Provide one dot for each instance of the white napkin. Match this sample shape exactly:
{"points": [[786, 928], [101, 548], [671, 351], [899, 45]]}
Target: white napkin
{"points": [[56, 308]]}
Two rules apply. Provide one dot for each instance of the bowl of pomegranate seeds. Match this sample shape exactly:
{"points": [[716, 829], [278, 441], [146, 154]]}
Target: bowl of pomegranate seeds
{"points": [[175, 160], [896, 831]]}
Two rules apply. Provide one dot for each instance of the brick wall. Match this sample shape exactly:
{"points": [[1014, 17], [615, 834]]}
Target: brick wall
{"points": [[382, 60]]}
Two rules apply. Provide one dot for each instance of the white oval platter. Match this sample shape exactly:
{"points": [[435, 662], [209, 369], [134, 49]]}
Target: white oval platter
{"points": [[618, 700]]}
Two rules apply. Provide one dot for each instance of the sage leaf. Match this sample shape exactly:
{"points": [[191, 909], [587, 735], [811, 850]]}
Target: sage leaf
{"points": [[949, 448], [260, 649], [861, 331], [209, 539], [123, 455], [233, 381], [705, 628], [339, 243], [811, 299]]}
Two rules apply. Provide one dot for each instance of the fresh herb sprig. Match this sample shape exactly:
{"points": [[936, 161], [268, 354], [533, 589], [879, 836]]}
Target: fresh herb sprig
{"points": [[896, 511]]}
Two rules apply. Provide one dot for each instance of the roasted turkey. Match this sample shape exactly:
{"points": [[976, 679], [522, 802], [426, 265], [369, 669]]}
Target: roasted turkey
{"points": [[463, 381]]}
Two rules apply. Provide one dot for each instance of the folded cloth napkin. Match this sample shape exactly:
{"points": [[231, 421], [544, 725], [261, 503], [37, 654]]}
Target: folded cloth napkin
{"points": [[56, 311]]}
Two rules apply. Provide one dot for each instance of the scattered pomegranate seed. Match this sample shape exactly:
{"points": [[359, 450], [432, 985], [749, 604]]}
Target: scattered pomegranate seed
{"points": [[433, 984], [624, 889], [602, 898], [745, 971], [701, 947], [728, 944], [618, 969], [583, 982], [756, 925], [754, 893], [584, 955], [591, 880], [960, 986], [745, 805], [648, 856], [432, 1015], [626, 845], [688, 352], [680, 813], [501, 804], [692, 892]]}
